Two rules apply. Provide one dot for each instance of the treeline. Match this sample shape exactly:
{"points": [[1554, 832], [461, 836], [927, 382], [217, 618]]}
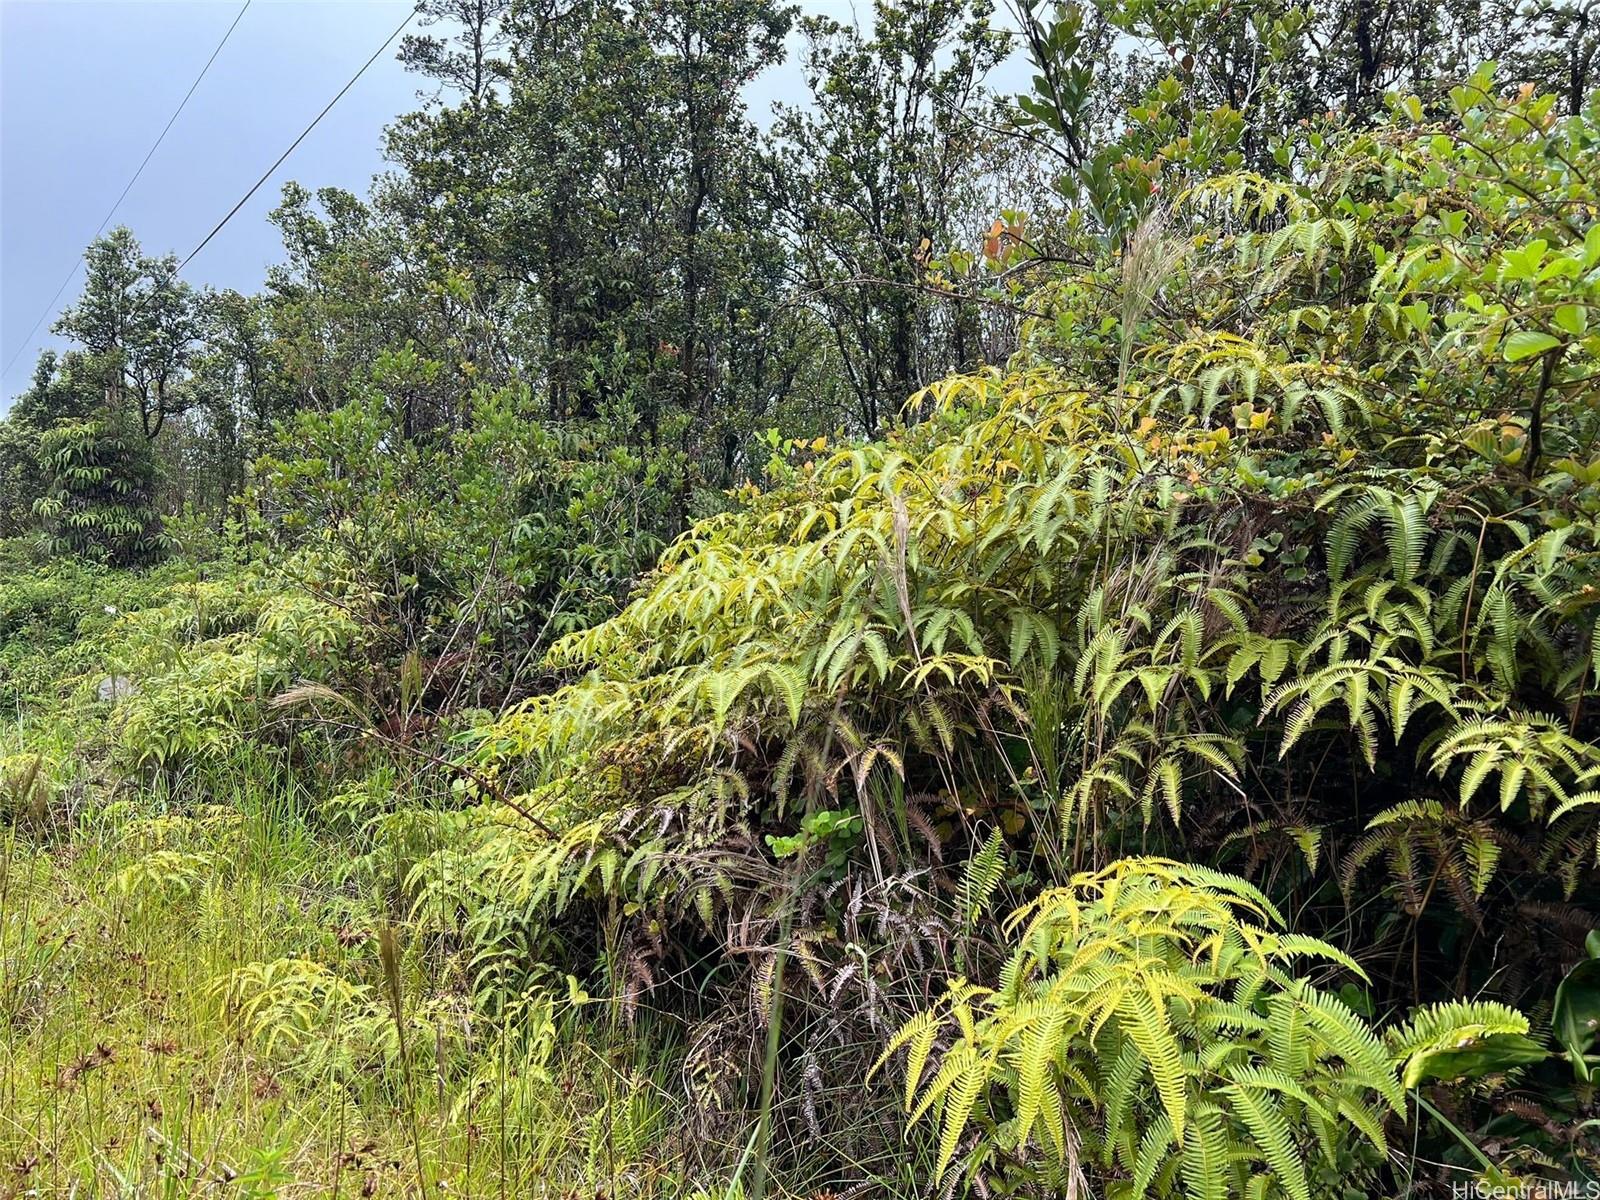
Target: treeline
{"points": [[586, 212]]}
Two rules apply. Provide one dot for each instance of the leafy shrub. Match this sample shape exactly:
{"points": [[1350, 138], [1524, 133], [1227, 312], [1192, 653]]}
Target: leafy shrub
{"points": [[97, 502], [161, 877], [515, 528], [308, 1016], [202, 665]]}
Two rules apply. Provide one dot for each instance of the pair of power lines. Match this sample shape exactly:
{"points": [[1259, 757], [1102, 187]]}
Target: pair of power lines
{"points": [[243, 200]]}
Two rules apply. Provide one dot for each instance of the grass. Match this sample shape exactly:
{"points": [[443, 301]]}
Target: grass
{"points": [[210, 984], [141, 1054]]}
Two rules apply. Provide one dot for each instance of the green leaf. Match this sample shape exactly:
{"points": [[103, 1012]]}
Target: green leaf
{"points": [[1488, 1056], [1527, 343], [1576, 1017]]}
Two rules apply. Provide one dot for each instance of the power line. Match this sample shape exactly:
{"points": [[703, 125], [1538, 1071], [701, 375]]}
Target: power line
{"points": [[315, 121], [292, 145], [173, 118], [245, 199], [266, 175], [128, 187]]}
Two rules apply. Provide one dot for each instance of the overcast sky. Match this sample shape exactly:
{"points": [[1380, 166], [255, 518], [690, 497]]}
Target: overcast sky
{"points": [[86, 85]]}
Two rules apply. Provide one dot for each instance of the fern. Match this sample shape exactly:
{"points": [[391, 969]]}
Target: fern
{"points": [[983, 875], [1133, 1013], [1135, 966]]}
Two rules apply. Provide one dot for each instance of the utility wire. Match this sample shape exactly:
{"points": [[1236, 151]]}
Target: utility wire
{"points": [[292, 146], [128, 187], [315, 121], [245, 199]]}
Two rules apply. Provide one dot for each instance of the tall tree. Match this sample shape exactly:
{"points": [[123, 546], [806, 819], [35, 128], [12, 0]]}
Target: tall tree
{"points": [[138, 323], [885, 167], [598, 198]]}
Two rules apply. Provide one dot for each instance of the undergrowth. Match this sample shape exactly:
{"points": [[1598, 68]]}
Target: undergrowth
{"points": [[205, 990]]}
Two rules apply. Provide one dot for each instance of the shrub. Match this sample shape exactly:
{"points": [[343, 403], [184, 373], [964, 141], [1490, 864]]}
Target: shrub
{"points": [[97, 500]]}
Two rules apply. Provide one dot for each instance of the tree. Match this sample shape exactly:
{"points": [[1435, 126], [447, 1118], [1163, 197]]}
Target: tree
{"points": [[138, 323], [355, 286], [1136, 96], [469, 61], [241, 386], [596, 206], [886, 168]]}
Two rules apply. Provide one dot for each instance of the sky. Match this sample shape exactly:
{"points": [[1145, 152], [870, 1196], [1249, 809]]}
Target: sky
{"points": [[86, 86]]}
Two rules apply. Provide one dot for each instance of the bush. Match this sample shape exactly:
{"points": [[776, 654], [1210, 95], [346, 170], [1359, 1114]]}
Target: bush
{"points": [[1285, 561], [100, 476]]}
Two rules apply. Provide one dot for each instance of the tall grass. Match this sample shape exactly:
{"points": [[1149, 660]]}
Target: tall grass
{"points": [[126, 1069]]}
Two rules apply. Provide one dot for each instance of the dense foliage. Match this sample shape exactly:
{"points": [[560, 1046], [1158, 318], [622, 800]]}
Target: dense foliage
{"points": [[633, 660]]}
